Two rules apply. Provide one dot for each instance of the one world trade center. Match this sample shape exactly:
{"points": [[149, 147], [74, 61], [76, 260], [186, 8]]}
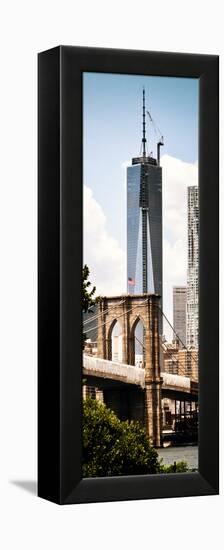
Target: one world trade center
{"points": [[144, 220]]}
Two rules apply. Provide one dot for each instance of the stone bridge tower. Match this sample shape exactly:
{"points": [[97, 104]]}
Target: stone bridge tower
{"points": [[128, 310]]}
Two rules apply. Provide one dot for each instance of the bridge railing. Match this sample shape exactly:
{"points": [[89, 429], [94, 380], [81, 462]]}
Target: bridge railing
{"points": [[129, 373], [134, 375], [176, 380]]}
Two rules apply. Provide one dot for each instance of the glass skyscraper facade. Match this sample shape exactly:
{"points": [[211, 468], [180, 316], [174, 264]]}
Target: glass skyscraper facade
{"points": [[144, 226]]}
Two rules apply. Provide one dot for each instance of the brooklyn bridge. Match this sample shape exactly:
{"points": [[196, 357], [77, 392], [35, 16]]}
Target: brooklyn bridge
{"points": [[133, 392]]}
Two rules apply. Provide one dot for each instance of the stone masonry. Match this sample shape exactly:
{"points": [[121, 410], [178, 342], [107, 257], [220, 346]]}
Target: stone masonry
{"points": [[128, 310]]}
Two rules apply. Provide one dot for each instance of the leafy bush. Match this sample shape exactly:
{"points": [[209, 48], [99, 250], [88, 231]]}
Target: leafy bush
{"points": [[112, 447]]}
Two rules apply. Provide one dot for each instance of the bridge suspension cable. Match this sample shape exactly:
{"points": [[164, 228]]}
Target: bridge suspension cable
{"points": [[181, 371], [94, 317], [167, 350], [128, 311], [174, 332], [118, 317]]}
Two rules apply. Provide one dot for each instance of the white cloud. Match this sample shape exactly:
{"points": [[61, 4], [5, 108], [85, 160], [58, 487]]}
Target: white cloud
{"points": [[102, 252], [177, 176]]}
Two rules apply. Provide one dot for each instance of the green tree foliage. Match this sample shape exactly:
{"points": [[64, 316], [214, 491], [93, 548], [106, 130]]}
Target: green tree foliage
{"points": [[88, 299], [112, 447]]}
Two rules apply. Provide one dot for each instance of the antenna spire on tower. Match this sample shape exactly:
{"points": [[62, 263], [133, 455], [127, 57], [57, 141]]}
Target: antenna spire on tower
{"points": [[143, 128]]}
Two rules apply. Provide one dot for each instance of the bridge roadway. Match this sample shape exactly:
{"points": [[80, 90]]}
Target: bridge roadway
{"points": [[174, 386]]}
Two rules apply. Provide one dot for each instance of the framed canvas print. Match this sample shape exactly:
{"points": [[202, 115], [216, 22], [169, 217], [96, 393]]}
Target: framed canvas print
{"points": [[128, 275]]}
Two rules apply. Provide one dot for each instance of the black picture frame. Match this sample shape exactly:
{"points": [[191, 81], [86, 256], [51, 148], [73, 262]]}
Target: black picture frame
{"points": [[60, 267]]}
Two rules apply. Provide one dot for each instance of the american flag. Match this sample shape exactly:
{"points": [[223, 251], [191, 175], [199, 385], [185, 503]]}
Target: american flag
{"points": [[131, 281]]}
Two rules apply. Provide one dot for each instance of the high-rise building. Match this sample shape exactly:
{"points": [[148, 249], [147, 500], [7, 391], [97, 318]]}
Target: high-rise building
{"points": [[179, 314], [144, 221], [193, 267]]}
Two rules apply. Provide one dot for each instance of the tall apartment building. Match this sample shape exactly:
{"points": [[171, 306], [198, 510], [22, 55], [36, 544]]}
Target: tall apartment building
{"points": [[193, 268], [179, 314], [144, 221]]}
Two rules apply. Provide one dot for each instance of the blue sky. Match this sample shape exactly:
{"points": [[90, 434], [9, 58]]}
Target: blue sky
{"points": [[112, 128], [112, 125]]}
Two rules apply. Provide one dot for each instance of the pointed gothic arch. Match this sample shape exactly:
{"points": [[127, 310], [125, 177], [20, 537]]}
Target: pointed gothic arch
{"points": [[132, 338], [110, 336]]}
